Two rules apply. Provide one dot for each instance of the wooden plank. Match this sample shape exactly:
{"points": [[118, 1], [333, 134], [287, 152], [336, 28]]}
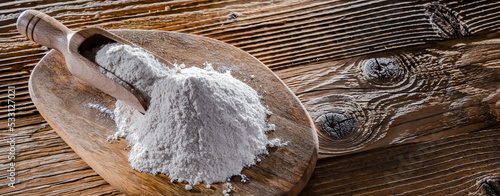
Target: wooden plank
{"points": [[282, 34], [401, 96], [457, 165], [44, 162], [251, 26]]}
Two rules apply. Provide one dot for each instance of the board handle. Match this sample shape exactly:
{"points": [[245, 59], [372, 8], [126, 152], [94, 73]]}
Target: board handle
{"points": [[43, 29]]}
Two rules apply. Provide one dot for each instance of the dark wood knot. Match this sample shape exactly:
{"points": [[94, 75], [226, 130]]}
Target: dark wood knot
{"points": [[490, 187], [234, 16], [336, 125], [445, 21], [342, 124], [382, 71]]}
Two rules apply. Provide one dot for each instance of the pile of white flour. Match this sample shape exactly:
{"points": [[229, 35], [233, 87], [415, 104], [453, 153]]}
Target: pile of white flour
{"points": [[201, 125]]}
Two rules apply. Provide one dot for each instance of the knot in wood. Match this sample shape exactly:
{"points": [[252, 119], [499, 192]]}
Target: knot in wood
{"points": [[233, 15], [446, 21], [342, 124], [382, 71], [489, 186], [336, 125]]}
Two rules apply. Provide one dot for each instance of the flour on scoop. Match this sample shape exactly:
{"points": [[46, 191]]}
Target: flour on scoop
{"points": [[201, 125]]}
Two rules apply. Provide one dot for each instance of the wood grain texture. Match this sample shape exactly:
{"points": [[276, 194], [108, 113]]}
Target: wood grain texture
{"points": [[397, 97], [457, 165], [282, 34], [46, 164]]}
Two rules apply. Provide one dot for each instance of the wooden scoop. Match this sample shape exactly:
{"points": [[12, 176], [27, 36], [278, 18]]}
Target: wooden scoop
{"points": [[83, 116], [45, 30], [86, 122]]}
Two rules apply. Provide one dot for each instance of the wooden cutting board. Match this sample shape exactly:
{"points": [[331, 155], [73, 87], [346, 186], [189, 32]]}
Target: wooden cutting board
{"points": [[82, 116]]}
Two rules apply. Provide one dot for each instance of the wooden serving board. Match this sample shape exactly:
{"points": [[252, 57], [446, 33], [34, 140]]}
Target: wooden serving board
{"points": [[82, 116]]}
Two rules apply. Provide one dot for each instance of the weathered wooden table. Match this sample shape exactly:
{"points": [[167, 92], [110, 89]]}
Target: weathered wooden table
{"points": [[403, 93]]}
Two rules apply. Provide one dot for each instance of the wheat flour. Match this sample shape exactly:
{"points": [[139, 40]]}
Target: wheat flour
{"points": [[201, 125]]}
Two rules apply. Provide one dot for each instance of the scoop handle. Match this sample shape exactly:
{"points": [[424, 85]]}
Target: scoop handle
{"points": [[43, 29]]}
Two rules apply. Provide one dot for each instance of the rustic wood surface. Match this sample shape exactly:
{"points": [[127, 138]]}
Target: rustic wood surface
{"points": [[86, 122], [457, 165], [397, 97], [380, 66]]}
